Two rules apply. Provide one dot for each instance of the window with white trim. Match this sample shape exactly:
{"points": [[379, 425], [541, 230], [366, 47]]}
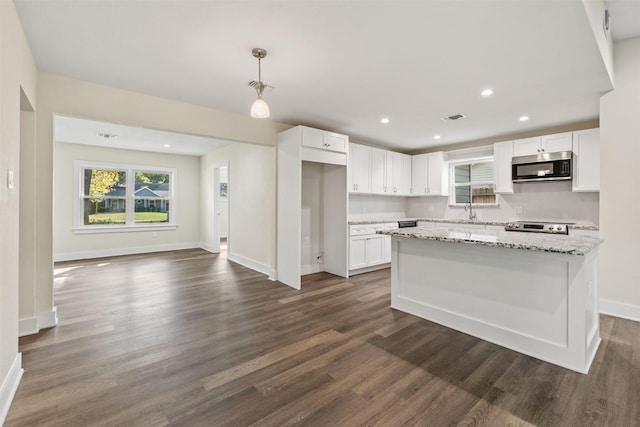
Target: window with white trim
{"points": [[115, 196], [472, 182]]}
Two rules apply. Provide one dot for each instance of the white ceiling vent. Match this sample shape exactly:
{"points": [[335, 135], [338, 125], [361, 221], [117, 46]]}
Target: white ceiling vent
{"points": [[453, 117]]}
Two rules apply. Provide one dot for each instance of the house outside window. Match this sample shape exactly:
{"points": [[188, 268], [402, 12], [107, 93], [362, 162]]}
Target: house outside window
{"points": [[472, 182], [123, 197]]}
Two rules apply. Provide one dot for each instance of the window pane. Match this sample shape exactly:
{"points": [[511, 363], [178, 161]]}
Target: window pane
{"points": [[105, 182], [462, 174], [481, 172], [151, 210], [104, 211], [483, 193], [152, 194], [463, 194]]}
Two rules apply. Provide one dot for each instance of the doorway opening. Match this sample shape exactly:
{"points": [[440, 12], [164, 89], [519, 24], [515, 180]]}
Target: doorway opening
{"points": [[221, 207]]}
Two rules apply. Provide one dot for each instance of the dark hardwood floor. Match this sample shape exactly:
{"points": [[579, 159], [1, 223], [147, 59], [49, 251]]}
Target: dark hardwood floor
{"points": [[186, 338]]}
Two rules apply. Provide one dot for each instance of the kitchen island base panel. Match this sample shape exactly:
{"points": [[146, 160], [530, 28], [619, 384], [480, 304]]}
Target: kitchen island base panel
{"points": [[537, 303]]}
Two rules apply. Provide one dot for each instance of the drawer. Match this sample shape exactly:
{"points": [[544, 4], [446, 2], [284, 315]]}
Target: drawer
{"points": [[361, 230]]}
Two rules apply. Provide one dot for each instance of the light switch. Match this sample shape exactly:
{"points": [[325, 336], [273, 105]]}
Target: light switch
{"points": [[10, 179]]}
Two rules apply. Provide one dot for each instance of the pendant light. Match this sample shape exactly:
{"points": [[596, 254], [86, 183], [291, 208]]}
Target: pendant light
{"points": [[259, 109]]}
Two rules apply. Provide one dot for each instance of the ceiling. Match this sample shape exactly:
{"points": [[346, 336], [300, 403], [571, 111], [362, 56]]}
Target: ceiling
{"points": [[90, 132], [342, 66]]}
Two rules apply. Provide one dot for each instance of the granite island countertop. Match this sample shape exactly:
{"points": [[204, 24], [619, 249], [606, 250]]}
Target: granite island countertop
{"points": [[458, 221], [554, 243]]}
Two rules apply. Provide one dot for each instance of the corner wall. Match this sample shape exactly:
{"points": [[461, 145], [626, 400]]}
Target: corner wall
{"points": [[18, 79], [252, 203], [620, 194]]}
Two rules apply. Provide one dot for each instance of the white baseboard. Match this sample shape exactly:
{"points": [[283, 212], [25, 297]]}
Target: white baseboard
{"points": [[249, 263], [209, 248], [273, 275], [618, 309], [9, 386], [101, 253], [310, 269], [28, 326], [33, 325]]}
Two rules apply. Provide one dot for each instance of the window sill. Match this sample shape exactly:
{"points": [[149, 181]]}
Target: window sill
{"points": [[123, 229]]}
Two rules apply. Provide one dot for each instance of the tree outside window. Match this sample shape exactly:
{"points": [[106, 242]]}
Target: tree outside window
{"points": [[119, 195]]}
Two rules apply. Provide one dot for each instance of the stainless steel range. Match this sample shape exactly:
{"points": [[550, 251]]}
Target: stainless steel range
{"points": [[538, 227]]}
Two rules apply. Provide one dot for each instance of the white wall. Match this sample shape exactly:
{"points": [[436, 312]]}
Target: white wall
{"points": [[252, 203], [68, 245], [620, 193], [311, 229], [17, 72], [362, 206], [540, 201]]}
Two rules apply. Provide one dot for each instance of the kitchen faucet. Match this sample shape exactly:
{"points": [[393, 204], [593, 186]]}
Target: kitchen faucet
{"points": [[472, 215]]}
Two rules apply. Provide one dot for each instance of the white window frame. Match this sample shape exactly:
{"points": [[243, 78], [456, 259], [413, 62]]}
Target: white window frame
{"points": [[78, 218], [453, 185]]}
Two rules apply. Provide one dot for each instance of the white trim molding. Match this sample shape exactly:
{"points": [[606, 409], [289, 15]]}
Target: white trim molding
{"points": [[101, 253], [33, 325], [249, 263], [618, 309], [9, 386], [209, 248]]}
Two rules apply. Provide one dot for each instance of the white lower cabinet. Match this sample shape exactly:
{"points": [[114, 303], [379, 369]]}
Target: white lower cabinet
{"points": [[374, 249], [366, 248], [357, 251]]}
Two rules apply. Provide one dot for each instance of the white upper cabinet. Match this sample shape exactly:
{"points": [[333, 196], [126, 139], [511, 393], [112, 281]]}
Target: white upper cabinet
{"points": [[378, 167], [437, 182], [419, 175], [557, 142], [429, 175], [395, 175], [502, 154], [359, 168], [387, 172], [586, 160], [324, 140], [406, 174], [543, 144]]}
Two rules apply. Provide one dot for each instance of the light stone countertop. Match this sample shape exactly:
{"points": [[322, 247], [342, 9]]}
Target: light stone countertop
{"points": [[555, 243], [458, 221]]}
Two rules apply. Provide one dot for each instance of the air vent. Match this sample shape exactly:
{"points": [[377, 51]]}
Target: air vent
{"points": [[107, 135], [453, 117]]}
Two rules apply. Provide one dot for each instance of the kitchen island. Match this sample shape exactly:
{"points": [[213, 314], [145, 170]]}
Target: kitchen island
{"points": [[535, 294]]}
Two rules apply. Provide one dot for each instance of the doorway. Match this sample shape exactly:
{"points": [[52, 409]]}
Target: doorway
{"points": [[221, 207]]}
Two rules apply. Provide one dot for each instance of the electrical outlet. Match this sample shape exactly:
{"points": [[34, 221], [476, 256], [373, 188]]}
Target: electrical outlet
{"points": [[518, 209]]}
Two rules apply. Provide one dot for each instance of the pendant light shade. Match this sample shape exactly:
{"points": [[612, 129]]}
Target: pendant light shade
{"points": [[259, 109]]}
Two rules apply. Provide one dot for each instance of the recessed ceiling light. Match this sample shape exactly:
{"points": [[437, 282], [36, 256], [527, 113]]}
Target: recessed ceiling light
{"points": [[436, 137], [167, 145], [384, 120], [524, 118], [487, 92], [107, 135]]}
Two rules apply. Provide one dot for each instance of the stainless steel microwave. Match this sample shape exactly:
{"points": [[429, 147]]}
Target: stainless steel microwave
{"points": [[542, 167]]}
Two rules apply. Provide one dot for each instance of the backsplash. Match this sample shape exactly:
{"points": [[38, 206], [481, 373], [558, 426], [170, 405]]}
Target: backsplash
{"points": [[369, 206], [540, 201]]}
